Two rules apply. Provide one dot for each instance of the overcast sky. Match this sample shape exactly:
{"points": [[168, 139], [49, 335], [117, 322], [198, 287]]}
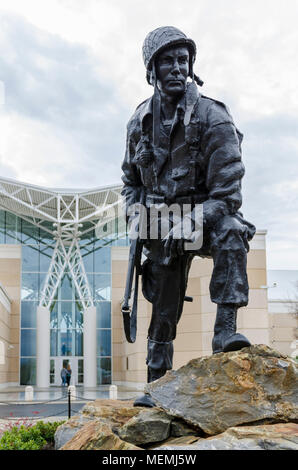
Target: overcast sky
{"points": [[73, 74]]}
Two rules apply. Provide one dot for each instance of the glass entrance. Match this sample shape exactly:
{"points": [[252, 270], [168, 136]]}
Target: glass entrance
{"points": [[77, 370]]}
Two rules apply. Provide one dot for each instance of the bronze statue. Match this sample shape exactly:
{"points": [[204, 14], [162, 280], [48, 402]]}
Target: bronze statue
{"points": [[184, 148]]}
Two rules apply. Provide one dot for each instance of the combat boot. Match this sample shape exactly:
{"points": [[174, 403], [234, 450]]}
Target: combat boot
{"points": [[146, 400], [225, 337]]}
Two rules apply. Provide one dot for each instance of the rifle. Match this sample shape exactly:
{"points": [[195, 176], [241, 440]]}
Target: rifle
{"points": [[134, 268]]}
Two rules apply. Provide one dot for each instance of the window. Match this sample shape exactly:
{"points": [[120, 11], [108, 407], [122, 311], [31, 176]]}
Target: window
{"points": [[102, 260], [103, 370], [28, 371], [28, 318], [66, 315], [103, 315], [28, 342], [30, 258], [103, 342], [102, 286], [30, 286]]}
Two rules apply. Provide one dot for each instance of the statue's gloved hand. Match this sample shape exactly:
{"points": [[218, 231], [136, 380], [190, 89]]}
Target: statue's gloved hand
{"points": [[144, 158], [174, 247], [144, 152]]}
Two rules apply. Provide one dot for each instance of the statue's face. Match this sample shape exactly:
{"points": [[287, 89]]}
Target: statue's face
{"points": [[172, 67]]}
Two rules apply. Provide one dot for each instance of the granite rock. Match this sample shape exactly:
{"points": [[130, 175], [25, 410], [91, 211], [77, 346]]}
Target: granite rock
{"points": [[150, 425], [176, 442], [254, 385], [97, 435], [282, 436], [113, 413], [67, 430], [180, 428]]}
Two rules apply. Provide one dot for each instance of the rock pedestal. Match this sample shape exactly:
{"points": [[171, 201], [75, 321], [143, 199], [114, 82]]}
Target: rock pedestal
{"points": [[283, 436], [254, 385], [238, 400]]}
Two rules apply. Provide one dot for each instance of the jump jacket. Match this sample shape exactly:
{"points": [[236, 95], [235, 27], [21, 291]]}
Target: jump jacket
{"points": [[201, 159]]}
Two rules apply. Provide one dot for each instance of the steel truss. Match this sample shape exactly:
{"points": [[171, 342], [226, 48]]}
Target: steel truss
{"points": [[67, 254], [68, 211]]}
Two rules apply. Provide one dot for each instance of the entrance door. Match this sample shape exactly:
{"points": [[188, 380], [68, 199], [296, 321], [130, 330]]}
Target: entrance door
{"points": [[77, 370]]}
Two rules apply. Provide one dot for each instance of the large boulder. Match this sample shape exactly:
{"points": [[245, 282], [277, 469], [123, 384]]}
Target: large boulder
{"points": [[113, 413], [267, 437], [134, 425], [255, 385], [97, 435], [67, 430], [151, 425]]}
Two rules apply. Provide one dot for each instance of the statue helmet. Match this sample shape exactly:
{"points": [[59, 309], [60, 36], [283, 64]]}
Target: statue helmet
{"points": [[162, 38]]}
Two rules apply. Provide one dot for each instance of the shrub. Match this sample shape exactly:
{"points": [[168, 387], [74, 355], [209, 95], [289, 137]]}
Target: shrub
{"points": [[47, 430], [29, 438]]}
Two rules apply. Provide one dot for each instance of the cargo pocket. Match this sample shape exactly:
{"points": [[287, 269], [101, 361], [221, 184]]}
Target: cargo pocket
{"points": [[147, 281]]}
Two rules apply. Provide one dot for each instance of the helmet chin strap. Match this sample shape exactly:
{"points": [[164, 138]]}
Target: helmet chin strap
{"points": [[192, 75], [156, 108], [197, 79]]}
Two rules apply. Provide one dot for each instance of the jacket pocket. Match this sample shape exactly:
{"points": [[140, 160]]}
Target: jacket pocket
{"points": [[193, 133]]}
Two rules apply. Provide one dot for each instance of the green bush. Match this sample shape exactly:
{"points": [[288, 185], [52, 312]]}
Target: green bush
{"points": [[29, 438], [47, 430]]}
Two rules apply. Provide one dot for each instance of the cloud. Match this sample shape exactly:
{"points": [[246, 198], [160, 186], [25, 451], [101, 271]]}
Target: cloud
{"points": [[246, 50], [56, 99], [270, 154], [74, 73]]}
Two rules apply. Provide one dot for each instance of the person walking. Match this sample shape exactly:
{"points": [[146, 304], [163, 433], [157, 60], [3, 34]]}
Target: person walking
{"points": [[68, 374], [63, 375]]}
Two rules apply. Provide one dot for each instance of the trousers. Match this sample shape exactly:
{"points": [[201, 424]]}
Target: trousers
{"points": [[165, 285]]}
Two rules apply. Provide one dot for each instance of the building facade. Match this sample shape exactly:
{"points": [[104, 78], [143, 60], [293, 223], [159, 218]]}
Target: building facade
{"points": [[283, 310], [55, 270]]}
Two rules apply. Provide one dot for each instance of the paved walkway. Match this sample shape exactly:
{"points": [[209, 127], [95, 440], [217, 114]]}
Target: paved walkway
{"points": [[17, 394], [50, 404], [38, 410]]}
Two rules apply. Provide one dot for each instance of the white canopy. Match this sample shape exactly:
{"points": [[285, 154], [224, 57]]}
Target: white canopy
{"points": [[57, 205]]}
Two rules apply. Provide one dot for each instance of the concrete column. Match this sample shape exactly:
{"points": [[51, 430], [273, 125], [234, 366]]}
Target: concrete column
{"points": [[42, 347], [73, 392], [113, 395], [29, 393], [90, 347]]}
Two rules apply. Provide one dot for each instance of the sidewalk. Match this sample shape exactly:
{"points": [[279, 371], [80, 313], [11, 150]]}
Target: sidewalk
{"points": [[50, 404], [17, 394]]}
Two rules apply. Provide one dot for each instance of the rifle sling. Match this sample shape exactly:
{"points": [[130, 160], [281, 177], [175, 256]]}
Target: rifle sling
{"points": [[130, 317]]}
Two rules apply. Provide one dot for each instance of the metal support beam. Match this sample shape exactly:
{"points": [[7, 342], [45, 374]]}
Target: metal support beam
{"points": [[66, 254]]}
